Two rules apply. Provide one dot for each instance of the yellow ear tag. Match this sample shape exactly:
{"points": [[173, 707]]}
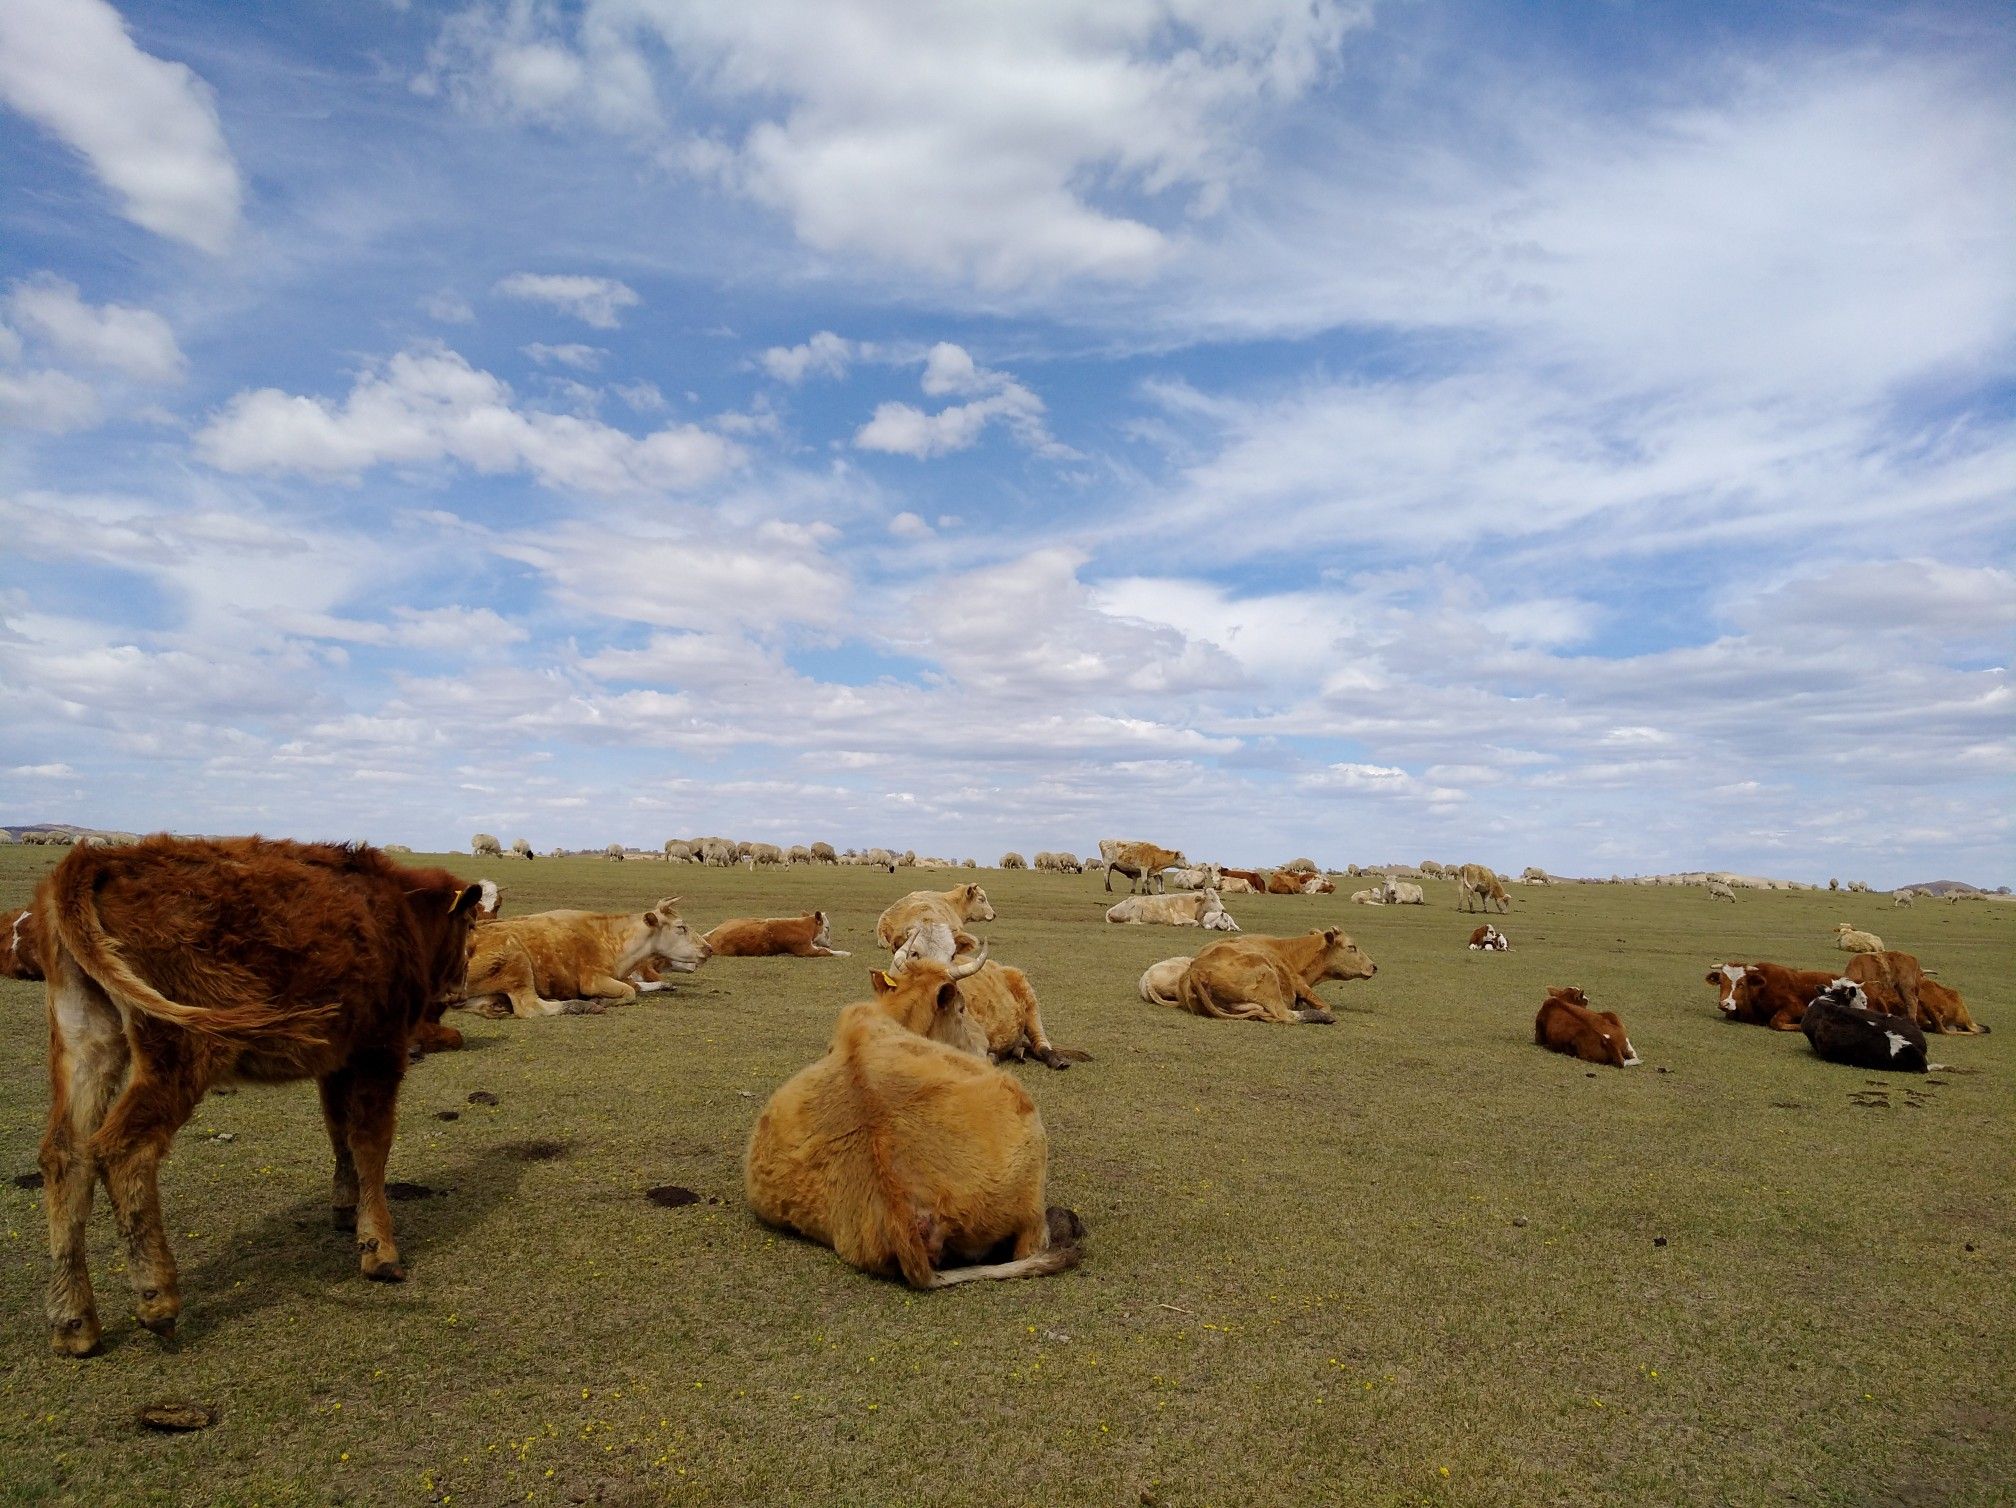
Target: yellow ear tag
{"points": [[889, 979]]}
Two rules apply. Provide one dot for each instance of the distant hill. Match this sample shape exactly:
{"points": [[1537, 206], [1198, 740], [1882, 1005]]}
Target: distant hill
{"points": [[1943, 887]]}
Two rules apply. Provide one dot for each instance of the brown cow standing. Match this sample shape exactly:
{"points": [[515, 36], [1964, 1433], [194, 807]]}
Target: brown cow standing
{"points": [[179, 963], [20, 945], [1566, 1024]]}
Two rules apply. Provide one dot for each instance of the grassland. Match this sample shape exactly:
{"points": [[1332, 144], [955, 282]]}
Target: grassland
{"points": [[1405, 1259]]}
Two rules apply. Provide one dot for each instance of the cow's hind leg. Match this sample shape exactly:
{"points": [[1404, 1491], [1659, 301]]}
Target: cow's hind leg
{"points": [[88, 1059], [335, 1091], [370, 1112], [129, 1146]]}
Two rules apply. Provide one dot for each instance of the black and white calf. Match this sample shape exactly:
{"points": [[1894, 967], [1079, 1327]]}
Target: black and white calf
{"points": [[1843, 1029]]}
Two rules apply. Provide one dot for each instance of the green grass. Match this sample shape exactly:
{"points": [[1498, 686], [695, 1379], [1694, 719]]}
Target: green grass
{"points": [[1307, 1279]]}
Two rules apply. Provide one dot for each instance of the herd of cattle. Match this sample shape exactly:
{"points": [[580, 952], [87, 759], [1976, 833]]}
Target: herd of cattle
{"points": [[175, 964]]}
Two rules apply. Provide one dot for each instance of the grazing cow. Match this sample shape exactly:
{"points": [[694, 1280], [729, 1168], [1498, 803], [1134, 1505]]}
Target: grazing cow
{"points": [[767, 937], [1566, 1024], [1197, 877], [904, 1154], [1013, 861], [1403, 893], [1488, 939], [1478, 884], [1159, 981], [1848, 940], [285, 961], [20, 944], [1766, 994], [1842, 1028], [1932, 1005], [533, 965], [962, 903], [1718, 890], [1270, 978], [1368, 897], [1198, 908], [483, 846], [1143, 863], [1000, 1001]]}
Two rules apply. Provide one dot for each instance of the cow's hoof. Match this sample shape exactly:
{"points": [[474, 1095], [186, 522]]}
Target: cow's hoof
{"points": [[1318, 1018], [379, 1270], [76, 1336], [158, 1312], [343, 1217]]}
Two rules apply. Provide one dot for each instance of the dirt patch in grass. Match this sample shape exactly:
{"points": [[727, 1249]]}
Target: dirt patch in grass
{"points": [[406, 1192], [536, 1150], [671, 1196]]}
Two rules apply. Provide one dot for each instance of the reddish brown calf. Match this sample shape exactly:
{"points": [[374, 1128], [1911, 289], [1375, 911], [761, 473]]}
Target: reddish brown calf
{"points": [[1566, 1024], [176, 964]]}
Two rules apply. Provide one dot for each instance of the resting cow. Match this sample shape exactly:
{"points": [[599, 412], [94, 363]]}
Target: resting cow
{"points": [[767, 937], [1766, 994], [285, 961], [1488, 939], [1368, 897], [1270, 978], [962, 903], [1930, 1004], [1000, 1001], [1566, 1024], [1159, 980], [904, 1154], [1141, 862], [20, 944], [1198, 908], [1402, 893], [1477, 886], [534, 965], [1843, 1029]]}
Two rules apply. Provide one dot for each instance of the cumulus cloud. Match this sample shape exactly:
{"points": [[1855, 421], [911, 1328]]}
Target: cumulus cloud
{"points": [[904, 429], [581, 358], [975, 142], [147, 127], [428, 405], [135, 343], [594, 301], [824, 355], [46, 400]]}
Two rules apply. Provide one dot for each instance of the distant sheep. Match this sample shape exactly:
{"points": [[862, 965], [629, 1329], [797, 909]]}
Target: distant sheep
{"points": [[1903, 898], [613, 853], [1718, 891], [1013, 861], [521, 848], [1848, 940], [483, 846]]}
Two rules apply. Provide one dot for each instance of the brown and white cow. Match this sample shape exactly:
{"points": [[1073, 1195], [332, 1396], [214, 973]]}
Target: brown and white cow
{"points": [[1284, 882], [1000, 1001], [1141, 862], [962, 903], [1252, 877], [1566, 1024], [535, 965], [770, 936], [1488, 939], [1197, 908], [20, 944], [906, 1155], [1766, 994], [179, 963], [1270, 978], [1478, 887]]}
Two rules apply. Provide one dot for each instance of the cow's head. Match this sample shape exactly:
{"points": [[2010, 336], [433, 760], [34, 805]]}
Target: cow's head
{"points": [[1341, 958], [822, 936], [973, 904], [1569, 993], [670, 941], [1212, 915], [923, 996], [1726, 977]]}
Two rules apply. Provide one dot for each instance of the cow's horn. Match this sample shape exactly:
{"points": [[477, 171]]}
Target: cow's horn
{"points": [[970, 967]]}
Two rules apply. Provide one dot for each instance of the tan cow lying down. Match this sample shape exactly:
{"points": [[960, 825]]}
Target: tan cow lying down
{"points": [[1566, 1024], [962, 903], [1000, 1001], [903, 1154], [1368, 897], [1270, 978], [20, 945], [768, 936], [1197, 908], [1159, 981], [534, 965]]}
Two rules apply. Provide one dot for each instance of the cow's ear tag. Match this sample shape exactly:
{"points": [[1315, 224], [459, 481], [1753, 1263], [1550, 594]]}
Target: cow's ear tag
{"points": [[889, 979]]}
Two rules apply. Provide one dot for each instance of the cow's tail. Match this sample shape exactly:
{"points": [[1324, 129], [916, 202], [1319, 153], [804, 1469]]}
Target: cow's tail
{"points": [[1150, 994], [1195, 997], [70, 921], [1043, 1264]]}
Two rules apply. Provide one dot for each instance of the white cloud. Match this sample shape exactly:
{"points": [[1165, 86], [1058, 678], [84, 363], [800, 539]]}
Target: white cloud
{"points": [[134, 342], [51, 401], [824, 355], [907, 525], [904, 429], [427, 405], [982, 142], [448, 308], [594, 301], [147, 127], [581, 358], [43, 771]]}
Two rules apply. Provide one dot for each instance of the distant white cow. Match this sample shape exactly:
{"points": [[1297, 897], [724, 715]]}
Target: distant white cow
{"points": [[1200, 908]]}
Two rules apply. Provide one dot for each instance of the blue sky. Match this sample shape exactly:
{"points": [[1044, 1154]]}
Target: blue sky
{"points": [[1574, 436]]}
